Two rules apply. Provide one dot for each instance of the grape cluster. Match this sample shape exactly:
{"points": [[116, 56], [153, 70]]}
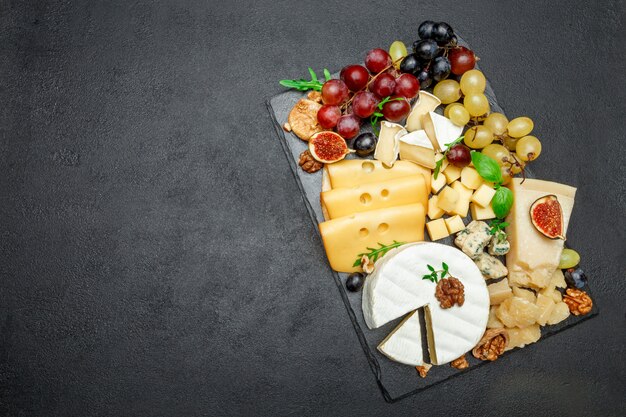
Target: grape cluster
{"points": [[366, 91], [436, 54]]}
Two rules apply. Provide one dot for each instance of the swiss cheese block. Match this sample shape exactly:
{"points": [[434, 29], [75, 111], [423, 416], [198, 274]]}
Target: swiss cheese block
{"points": [[354, 172], [404, 343], [533, 258], [416, 147], [345, 237], [340, 202]]}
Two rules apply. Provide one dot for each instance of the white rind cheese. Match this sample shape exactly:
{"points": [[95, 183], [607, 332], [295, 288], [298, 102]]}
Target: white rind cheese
{"points": [[404, 343], [396, 288]]}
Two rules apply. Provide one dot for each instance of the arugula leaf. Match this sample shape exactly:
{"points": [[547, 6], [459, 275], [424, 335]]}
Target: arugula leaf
{"points": [[502, 202], [375, 253], [313, 75], [326, 74], [445, 152], [487, 167]]}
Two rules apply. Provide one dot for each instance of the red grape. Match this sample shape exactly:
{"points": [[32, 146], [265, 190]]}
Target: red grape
{"points": [[334, 92], [364, 104], [383, 85], [459, 155], [348, 126], [377, 60], [461, 60], [407, 86], [355, 77], [396, 109], [328, 116]]}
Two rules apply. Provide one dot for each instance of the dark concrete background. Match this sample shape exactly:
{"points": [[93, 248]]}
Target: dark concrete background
{"points": [[157, 258]]}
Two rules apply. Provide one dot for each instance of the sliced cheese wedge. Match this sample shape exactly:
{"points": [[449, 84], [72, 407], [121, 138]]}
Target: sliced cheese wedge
{"points": [[353, 172], [416, 147], [345, 237], [340, 202], [396, 288], [533, 258], [387, 147], [440, 130], [426, 103], [404, 343]]}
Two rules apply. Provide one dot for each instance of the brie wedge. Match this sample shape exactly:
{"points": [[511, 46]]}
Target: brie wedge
{"points": [[404, 343], [397, 287], [388, 147], [416, 147], [440, 130]]}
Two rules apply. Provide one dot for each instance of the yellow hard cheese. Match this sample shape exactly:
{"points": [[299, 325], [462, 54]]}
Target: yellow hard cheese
{"points": [[340, 202], [345, 237], [354, 172]]}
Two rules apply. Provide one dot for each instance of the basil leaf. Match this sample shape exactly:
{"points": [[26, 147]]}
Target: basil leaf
{"points": [[502, 202], [487, 167]]}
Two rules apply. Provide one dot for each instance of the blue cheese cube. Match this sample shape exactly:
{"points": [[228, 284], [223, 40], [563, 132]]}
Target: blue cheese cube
{"points": [[499, 246], [490, 266], [473, 239]]}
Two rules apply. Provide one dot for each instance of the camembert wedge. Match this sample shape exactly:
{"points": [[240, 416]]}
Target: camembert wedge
{"points": [[404, 343]]}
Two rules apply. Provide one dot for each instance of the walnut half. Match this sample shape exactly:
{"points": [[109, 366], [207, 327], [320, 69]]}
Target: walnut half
{"points": [[492, 345], [450, 291], [578, 301], [308, 163], [423, 370], [460, 363]]}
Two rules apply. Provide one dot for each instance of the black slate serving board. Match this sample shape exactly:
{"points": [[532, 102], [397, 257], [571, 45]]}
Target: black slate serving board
{"points": [[395, 380]]}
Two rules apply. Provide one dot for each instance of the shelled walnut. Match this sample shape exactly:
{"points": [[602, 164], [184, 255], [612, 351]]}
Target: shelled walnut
{"points": [[315, 96], [423, 370], [460, 363], [450, 291], [578, 301], [492, 345], [308, 163]]}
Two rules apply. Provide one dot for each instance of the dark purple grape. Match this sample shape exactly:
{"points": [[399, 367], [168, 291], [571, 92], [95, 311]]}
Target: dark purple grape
{"points": [[440, 68], [442, 32], [410, 64], [575, 277], [426, 49], [354, 282], [425, 29], [424, 78], [459, 155], [365, 144]]}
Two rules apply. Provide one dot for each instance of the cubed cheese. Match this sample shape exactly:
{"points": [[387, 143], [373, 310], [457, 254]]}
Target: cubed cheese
{"points": [[454, 224], [547, 305], [437, 229], [452, 173], [473, 239], [483, 195], [462, 204], [437, 184], [499, 292], [481, 213], [499, 245], [447, 199], [434, 212], [490, 266], [471, 178]]}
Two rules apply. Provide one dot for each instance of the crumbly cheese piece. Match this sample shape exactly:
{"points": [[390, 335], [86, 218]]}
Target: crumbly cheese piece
{"points": [[498, 245], [340, 202], [499, 291], [524, 336], [490, 266], [473, 239], [547, 305], [493, 322], [345, 237], [404, 343], [525, 294], [533, 258], [559, 313]]}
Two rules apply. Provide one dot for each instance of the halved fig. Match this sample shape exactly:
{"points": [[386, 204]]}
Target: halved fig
{"points": [[547, 216], [328, 147]]}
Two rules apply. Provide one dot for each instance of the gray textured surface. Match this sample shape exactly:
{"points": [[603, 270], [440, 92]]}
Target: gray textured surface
{"points": [[156, 255]]}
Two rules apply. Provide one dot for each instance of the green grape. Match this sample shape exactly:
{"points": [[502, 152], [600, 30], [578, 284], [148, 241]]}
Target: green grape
{"points": [[446, 110], [473, 82], [569, 259], [509, 142], [478, 137], [497, 152], [528, 148], [507, 176], [448, 91], [476, 104], [518, 164], [397, 50], [459, 115], [519, 127], [497, 123]]}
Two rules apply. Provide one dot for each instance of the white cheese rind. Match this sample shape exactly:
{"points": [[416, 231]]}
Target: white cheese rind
{"points": [[404, 343]]}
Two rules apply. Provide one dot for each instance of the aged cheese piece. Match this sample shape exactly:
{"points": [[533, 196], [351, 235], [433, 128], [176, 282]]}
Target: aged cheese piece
{"points": [[517, 312], [462, 204], [471, 178], [524, 336], [437, 229], [558, 279], [493, 322], [345, 237], [437, 184], [396, 288], [426, 103], [533, 258], [454, 224], [340, 202], [452, 173], [353, 172], [559, 313], [483, 195], [447, 199], [525, 294], [404, 343], [499, 291], [416, 147], [434, 212], [481, 213], [551, 291], [440, 130], [388, 147], [547, 305]]}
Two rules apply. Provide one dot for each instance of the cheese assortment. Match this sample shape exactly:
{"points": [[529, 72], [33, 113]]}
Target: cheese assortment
{"points": [[438, 166]]}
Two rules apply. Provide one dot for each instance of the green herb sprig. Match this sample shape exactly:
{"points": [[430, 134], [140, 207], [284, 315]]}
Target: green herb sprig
{"points": [[489, 170], [445, 153], [375, 253], [304, 85], [377, 115], [497, 226], [436, 275]]}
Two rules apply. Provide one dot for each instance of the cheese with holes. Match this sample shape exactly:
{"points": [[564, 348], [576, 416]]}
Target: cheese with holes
{"points": [[426, 103], [354, 172], [387, 147], [404, 343], [416, 147], [396, 288], [345, 237], [534, 258], [340, 202]]}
